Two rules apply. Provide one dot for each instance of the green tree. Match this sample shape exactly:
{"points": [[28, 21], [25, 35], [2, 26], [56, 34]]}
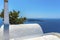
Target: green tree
{"points": [[14, 17], [2, 14]]}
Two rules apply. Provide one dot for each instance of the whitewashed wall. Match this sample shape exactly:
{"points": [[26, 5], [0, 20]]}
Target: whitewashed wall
{"points": [[22, 30]]}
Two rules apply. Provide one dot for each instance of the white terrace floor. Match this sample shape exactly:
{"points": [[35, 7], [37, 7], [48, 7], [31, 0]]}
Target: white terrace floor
{"points": [[46, 37]]}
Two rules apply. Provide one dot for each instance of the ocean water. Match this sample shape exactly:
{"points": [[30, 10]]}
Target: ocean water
{"points": [[48, 25], [1, 22]]}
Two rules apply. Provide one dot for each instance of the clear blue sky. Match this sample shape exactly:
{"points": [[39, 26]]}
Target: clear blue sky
{"points": [[35, 8]]}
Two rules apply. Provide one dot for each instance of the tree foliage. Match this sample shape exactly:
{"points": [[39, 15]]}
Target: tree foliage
{"points": [[14, 17]]}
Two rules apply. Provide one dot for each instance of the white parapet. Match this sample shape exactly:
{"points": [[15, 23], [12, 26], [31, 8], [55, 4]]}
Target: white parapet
{"points": [[25, 30], [22, 30]]}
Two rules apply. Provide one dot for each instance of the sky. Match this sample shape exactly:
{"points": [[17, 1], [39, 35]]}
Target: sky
{"points": [[34, 8]]}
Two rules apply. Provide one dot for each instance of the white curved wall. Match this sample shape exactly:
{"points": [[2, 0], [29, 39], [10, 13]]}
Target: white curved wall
{"points": [[22, 30]]}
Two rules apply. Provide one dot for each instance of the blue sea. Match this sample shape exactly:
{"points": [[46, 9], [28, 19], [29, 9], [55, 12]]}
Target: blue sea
{"points": [[48, 25]]}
